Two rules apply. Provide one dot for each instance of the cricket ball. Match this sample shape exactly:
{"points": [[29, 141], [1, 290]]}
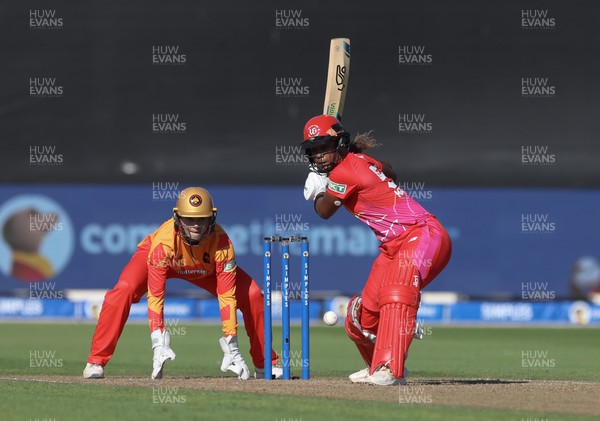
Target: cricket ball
{"points": [[330, 318]]}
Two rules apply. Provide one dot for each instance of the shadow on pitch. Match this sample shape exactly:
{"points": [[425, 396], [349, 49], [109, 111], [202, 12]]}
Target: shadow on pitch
{"points": [[468, 382]]}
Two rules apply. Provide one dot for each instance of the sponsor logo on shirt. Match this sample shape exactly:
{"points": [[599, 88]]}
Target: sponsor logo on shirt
{"points": [[338, 188], [192, 271], [229, 266]]}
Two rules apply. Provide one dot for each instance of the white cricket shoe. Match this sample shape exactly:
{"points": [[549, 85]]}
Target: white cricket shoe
{"points": [[359, 376], [276, 372], [93, 371], [362, 375], [384, 377]]}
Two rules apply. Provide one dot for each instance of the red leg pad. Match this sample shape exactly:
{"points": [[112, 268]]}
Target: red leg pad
{"points": [[399, 298], [364, 345]]}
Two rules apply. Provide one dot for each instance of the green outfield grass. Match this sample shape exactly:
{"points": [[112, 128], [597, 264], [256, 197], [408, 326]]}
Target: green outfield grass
{"points": [[495, 353]]}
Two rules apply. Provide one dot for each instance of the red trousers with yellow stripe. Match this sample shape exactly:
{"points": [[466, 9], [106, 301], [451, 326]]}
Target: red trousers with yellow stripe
{"points": [[133, 285]]}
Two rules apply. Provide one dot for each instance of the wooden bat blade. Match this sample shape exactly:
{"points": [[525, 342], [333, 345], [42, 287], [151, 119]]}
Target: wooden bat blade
{"points": [[337, 77]]}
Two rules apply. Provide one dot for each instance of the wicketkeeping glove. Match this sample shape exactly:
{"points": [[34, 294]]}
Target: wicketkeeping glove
{"points": [[233, 360], [161, 345], [315, 184]]}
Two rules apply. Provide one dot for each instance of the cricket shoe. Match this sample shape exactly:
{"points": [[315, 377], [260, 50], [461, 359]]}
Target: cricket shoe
{"points": [[363, 375], [276, 373], [384, 377], [93, 371], [360, 376]]}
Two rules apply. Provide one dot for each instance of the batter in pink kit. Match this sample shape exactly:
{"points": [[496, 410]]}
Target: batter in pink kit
{"points": [[414, 245]]}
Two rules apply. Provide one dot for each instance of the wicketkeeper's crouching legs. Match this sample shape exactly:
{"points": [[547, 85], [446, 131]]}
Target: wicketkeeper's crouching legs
{"points": [[130, 288]]}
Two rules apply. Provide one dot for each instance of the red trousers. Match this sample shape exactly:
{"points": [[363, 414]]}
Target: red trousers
{"points": [[133, 285], [430, 252], [391, 296]]}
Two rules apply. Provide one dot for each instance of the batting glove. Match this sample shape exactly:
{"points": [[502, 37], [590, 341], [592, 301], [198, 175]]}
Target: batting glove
{"points": [[315, 184]]}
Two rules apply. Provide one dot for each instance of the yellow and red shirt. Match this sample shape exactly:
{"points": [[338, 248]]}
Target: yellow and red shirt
{"points": [[170, 257]]}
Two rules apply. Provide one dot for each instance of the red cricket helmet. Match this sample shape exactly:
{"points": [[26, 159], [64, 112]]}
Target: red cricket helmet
{"points": [[322, 129]]}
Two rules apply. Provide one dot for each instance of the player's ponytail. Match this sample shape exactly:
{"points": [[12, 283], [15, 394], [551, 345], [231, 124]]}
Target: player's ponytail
{"points": [[363, 141]]}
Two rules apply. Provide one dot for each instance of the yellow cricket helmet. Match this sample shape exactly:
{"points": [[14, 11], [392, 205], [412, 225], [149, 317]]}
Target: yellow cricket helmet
{"points": [[194, 202]]}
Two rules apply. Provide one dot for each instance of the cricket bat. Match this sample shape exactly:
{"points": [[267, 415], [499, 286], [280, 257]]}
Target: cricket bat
{"points": [[337, 77]]}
